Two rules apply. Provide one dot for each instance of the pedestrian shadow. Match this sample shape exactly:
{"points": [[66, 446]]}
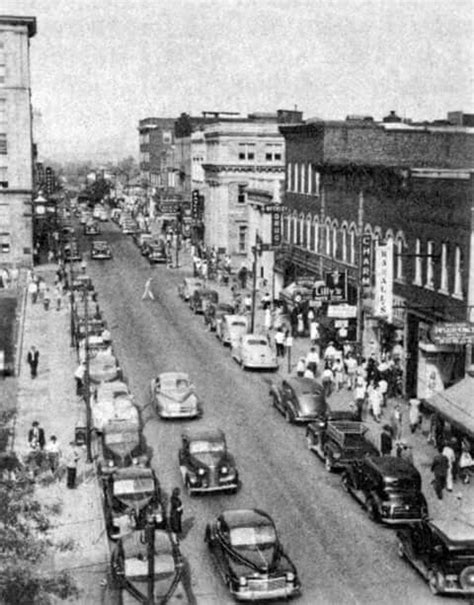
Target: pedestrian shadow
{"points": [[187, 583], [187, 525]]}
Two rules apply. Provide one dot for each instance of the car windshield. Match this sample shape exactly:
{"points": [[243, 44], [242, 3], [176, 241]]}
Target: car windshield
{"points": [[239, 323], [120, 437], [257, 342], [262, 536], [137, 485], [206, 445], [173, 384], [405, 484]]}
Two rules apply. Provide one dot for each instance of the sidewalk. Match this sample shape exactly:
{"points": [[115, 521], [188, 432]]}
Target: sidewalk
{"points": [[459, 502], [78, 531]]}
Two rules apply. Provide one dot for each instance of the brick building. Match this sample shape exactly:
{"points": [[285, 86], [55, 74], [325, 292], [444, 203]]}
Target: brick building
{"points": [[156, 147], [356, 191], [16, 145]]}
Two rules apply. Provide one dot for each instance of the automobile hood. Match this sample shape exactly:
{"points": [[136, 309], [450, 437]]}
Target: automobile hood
{"points": [[309, 407], [259, 351], [170, 397], [208, 459], [260, 560], [135, 501], [121, 445]]}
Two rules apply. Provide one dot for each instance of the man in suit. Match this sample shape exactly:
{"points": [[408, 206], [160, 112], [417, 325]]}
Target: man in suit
{"points": [[36, 437], [33, 358]]}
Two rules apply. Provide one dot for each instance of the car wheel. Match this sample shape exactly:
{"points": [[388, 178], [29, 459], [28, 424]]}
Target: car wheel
{"points": [[433, 583], [288, 416], [372, 510], [274, 401], [309, 441], [328, 463], [187, 486], [400, 550], [345, 481]]}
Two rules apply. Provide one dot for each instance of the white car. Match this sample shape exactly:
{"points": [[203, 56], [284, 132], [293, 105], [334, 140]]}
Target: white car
{"points": [[253, 351], [231, 328], [121, 408], [173, 396]]}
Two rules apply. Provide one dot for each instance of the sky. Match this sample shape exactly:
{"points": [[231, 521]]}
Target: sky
{"points": [[98, 67]]}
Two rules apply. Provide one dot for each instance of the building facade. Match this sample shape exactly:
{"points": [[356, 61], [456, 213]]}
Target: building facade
{"points": [[16, 144], [389, 206], [156, 152]]}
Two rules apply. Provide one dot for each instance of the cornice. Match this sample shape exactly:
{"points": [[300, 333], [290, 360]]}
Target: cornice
{"points": [[215, 168]]}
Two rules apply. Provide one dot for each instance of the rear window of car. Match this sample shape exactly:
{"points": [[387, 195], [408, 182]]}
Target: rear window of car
{"points": [[257, 341]]}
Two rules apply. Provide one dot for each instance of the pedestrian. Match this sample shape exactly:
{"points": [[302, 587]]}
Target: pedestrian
{"points": [[300, 367], [438, 430], [330, 353], [466, 462], [386, 443], [300, 324], [280, 342], [176, 512], [79, 376], [414, 414], [33, 359], [351, 371], [312, 360], [266, 301], [268, 319], [248, 303], [83, 265], [33, 291], [106, 336], [36, 438], [439, 467], [404, 451], [360, 393], [53, 452], [338, 370], [327, 379], [50, 256], [383, 388], [396, 421], [147, 293], [314, 332], [242, 276], [41, 288], [375, 401], [308, 373], [71, 459], [448, 453], [58, 295]]}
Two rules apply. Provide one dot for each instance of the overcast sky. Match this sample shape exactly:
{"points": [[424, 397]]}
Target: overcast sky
{"points": [[99, 66]]}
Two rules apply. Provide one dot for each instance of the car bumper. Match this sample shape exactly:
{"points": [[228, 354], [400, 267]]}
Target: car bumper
{"points": [[399, 520], [166, 414], [260, 595], [232, 485], [258, 365], [101, 256]]}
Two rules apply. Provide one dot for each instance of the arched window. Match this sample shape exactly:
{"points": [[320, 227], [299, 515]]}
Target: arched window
{"points": [[417, 280], [297, 232], [308, 232], [344, 243], [289, 183], [292, 230], [458, 273], [352, 245], [328, 238], [335, 247], [399, 248], [315, 239], [302, 240], [429, 265], [444, 284], [303, 178]]}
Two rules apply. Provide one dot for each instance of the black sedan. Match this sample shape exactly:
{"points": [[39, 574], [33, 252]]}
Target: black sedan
{"points": [[248, 555], [300, 400], [205, 463]]}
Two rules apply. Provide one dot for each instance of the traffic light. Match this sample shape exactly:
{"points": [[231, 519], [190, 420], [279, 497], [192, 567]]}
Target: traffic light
{"points": [[195, 204]]}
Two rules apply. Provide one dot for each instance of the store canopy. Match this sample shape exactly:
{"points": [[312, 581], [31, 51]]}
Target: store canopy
{"points": [[456, 405]]}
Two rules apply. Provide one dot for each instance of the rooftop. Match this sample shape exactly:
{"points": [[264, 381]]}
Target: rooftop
{"points": [[12, 20]]}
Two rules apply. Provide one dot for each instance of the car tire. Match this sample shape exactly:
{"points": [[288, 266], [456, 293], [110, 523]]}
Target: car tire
{"points": [[433, 583], [289, 416], [345, 482], [328, 464], [188, 489], [372, 510], [400, 550]]}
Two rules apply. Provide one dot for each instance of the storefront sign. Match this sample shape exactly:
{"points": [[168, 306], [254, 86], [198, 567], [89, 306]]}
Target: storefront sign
{"points": [[366, 261], [276, 228], [275, 208], [342, 311], [456, 333], [336, 283], [383, 305]]}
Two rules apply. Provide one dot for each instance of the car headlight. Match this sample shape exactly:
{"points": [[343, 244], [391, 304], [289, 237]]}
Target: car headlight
{"points": [[290, 576], [110, 463], [336, 455], [134, 461], [201, 471], [242, 581], [224, 470]]}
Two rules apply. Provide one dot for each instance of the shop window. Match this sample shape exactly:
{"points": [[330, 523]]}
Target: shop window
{"points": [[429, 265], [458, 273], [242, 239], [417, 280], [444, 269]]}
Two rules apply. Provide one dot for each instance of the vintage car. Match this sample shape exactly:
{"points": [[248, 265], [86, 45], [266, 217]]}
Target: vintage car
{"points": [[95, 344], [85, 217], [249, 556], [299, 399], [156, 252], [339, 442], [128, 226], [205, 463], [121, 407], [173, 396], [132, 498], [252, 351], [91, 228], [187, 287], [71, 252], [93, 326], [123, 444], [100, 250], [108, 391], [142, 240], [389, 488], [67, 228], [201, 298], [104, 367], [442, 551], [82, 282], [129, 562], [214, 314], [231, 329]]}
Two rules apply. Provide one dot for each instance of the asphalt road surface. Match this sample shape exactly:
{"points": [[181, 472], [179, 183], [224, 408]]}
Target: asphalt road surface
{"points": [[341, 556]]}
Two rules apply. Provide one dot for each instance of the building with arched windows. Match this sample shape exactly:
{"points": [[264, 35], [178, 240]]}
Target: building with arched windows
{"points": [[388, 204]]}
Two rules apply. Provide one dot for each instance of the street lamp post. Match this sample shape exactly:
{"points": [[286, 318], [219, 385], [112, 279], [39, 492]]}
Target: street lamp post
{"points": [[87, 389], [256, 250]]}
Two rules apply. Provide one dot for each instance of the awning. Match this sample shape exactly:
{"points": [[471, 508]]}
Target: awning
{"points": [[456, 404]]}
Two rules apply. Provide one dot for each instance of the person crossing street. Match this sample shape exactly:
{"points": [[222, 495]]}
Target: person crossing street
{"points": [[147, 293]]}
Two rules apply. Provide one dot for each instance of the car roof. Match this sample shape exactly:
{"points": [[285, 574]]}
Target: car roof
{"points": [[133, 472], [246, 517], [301, 384], [394, 466], [134, 543], [204, 434], [455, 532]]}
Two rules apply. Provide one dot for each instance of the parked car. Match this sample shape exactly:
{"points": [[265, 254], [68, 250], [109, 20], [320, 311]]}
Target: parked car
{"points": [[252, 351], [389, 488], [123, 445], [104, 367], [442, 551], [205, 463], [201, 298], [187, 287], [91, 228], [100, 250], [174, 396], [121, 408], [71, 252], [132, 498], [82, 282], [156, 252], [142, 239], [247, 552], [300, 399], [339, 442], [232, 328], [129, 226], [214, 314], [129, 562], [95, 326]]}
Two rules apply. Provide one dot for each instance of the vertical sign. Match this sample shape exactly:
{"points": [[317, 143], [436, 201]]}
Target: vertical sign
{"points": [[383, 305], [366, 261], [276, 228]]}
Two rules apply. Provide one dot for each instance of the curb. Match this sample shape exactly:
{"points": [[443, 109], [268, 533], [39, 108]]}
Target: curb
{"points": [[21, 330]]}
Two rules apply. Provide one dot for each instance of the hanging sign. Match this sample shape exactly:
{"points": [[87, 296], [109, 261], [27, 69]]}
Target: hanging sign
{"points": [[366, 261], [383, 305], [276, 228]]}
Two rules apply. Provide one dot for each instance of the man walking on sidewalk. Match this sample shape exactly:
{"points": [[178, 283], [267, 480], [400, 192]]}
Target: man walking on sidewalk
{"points": [[33, 359], [72, 458], [439, 467], [147, 293]]}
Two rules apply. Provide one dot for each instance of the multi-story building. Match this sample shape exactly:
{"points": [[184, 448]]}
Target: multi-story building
{"points": [[389, 205], [16, 145], [156, 146], [237, 151]]}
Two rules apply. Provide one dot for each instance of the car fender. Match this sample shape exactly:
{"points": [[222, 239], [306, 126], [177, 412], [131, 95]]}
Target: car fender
{"points": [[275, 393]]}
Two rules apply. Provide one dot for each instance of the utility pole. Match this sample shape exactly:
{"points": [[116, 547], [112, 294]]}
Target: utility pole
{"points": [[360, 229], [87, 389], [150, 540], [255, 251]]}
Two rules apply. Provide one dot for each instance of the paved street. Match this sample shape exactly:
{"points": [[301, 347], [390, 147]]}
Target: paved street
{"points": [[342, 557]]}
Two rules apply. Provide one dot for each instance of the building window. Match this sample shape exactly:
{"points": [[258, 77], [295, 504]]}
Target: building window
{"points": [[429, 265], [352, 246], [285, 228], [335, 250], [344, 243], [308, 232], [315, 235], [310, 179], [297, 178], [3, 144], [242, 239], [444, 269], [3, 64], [167, 137], [246, 151], [241, 194], [328, 239], [417, 280], [3, 177], [273, 153], [317, 181], [303, 178], [457, 273], [399, 259], [291, 234], [289, 183]]}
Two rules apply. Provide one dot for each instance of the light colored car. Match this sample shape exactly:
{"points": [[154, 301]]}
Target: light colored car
{"points": [[187, 287], [252, 351], [173, 396], [120, 408], [231, 328], [104, 367]]}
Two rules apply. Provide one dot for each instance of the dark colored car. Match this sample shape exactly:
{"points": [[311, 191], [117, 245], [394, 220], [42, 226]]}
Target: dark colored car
{"points": [[71, 252], [205, 463], [300, 399], [81, 282], [339, 442], [389, 488], [123, 445], [100, 250], [156, 252], [132, 498], [201, 298], [214, 313], [91, 229], [249, 556], [443, 552]]}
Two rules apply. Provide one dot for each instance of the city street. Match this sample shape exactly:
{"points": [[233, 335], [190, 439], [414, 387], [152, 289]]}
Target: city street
{"points": [[341, 556]]}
